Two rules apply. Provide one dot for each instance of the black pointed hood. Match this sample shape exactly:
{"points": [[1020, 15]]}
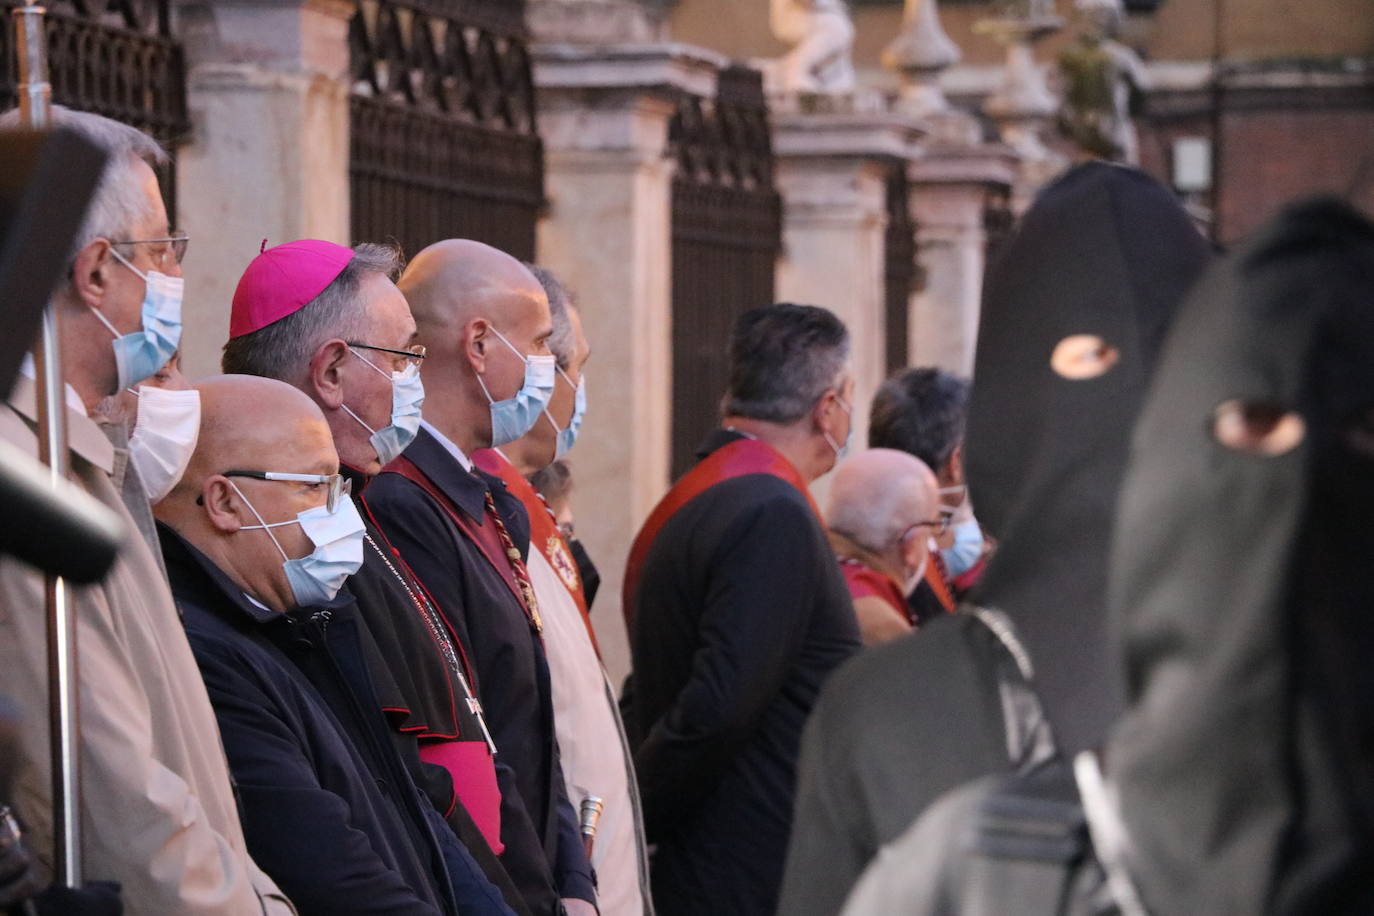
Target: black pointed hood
{"points": [[1242, 590], [1074, 313]]}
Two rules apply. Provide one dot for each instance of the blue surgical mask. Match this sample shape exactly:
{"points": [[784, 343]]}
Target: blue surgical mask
{"points": [[568, 437], [966, 550], [515, 416], [842, 450], [407, 396], [338, 538], [139, 355]]}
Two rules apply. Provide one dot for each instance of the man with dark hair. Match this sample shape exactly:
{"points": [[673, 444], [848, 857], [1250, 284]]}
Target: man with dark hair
{"points": [[737, 612], [922, 412]]}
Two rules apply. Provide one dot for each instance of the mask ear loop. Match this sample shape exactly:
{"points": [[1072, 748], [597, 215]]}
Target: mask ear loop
{"points": [[262, 524]]}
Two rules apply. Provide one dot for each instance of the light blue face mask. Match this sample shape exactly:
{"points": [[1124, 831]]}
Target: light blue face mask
{"points": [[568, 437], [842, 450], [513, 417], [967, 548], [338, 538], [141, 354], [407, 396]]}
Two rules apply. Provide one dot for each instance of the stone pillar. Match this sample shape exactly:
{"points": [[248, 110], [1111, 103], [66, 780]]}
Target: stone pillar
{"points": [[832, 173], [268, 156], [949, 191], [604, 116]]}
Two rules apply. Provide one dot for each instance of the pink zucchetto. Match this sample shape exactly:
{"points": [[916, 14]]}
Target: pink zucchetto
{"points": [[280, 281]]}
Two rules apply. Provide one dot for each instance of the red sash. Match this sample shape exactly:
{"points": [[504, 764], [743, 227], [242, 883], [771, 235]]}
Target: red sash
{"points": [[935, 578], [474, 530], [544, 533], [736, 459], [865, 582]]}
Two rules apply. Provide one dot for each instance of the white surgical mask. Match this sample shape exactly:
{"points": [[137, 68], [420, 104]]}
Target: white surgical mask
{"points": [[515, 416], [842, 450], [407, 396], [164, 437], [338, 538]]}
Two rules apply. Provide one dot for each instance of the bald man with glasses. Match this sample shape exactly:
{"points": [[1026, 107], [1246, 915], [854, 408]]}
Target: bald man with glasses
{"points": [[260, 537]]}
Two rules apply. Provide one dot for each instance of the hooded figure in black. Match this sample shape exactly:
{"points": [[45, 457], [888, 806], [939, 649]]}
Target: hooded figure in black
{"points": [[1073, 315], [1242, 587]]}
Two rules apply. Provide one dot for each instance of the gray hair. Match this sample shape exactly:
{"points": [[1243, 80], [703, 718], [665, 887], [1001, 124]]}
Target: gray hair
{"points": [[877, 496], [282, 350], [783, 359], [562, 341], [119, 203]]}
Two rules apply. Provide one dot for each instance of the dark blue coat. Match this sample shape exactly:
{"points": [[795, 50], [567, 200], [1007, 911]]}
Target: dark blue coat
{"points": [[544, 852], [328, 808]]}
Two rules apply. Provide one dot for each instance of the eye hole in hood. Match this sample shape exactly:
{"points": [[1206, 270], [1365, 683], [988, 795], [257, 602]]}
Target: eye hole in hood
{"points": [[1264, 430], [1080, 357]]}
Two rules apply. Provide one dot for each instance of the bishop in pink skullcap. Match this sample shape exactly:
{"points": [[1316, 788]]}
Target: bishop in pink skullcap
{"points": [[281, 281]]}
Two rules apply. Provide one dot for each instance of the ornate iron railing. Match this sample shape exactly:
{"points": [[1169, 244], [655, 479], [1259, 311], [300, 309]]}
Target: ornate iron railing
{"points": [[727, 233], [901, 275], [444, 142], [118, 58], [999, 222]]}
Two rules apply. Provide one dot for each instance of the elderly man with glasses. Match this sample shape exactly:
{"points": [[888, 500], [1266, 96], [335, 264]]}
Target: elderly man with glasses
{"points": [[329, 321], [260, 537], [883, 510]]}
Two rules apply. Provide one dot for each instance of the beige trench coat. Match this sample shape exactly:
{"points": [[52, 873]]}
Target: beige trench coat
{"points": [[157, 807]]}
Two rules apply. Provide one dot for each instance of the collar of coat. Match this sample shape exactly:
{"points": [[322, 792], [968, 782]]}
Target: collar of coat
{"points": [[467, 489], [195, 578]]}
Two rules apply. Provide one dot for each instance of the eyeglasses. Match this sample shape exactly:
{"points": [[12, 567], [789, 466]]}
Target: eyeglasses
{"points": [[937, 527], [339, 486], [174, 244], [416, 352]]}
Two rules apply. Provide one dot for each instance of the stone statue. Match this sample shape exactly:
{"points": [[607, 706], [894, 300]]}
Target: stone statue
{"points": [[1103, 83], [821, 36]]}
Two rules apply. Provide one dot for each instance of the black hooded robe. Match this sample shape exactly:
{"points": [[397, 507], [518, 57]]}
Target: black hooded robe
{"points": [[1107, 252]]}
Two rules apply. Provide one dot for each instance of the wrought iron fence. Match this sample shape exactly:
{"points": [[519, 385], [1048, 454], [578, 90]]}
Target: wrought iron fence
{"points": [[726, 236], [999, 222], [444, 142], [901, 275], [117, 58]]}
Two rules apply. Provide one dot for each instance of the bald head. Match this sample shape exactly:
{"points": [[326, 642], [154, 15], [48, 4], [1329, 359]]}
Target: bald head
{"points": [[877, 495], [252, 423], [480, 313], [455, 280]]}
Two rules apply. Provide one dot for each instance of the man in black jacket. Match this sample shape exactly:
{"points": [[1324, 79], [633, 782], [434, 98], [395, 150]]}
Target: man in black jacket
{"points": [[259, 537], [738, 612], [486, 322]]}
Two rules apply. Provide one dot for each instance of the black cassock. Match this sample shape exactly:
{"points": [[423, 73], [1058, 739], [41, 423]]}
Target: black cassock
{"points": [[544, 854], [740, 614]]}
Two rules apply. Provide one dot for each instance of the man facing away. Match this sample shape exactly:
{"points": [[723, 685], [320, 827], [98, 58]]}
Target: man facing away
{"points": [[486, 322], [158, 813], [330, 321], [259, 537], [591, 739], [737, 613], [882, 511]]}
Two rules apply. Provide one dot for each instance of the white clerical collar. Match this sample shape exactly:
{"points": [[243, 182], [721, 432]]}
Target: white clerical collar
{"points": [[448, 445], [26, 368]]}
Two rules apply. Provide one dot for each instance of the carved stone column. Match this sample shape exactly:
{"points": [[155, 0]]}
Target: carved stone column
{"points": [[604, 116], [268, 156]]}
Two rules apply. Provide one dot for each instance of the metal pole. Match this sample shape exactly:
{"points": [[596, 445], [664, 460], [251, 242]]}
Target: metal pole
{"points": [[34, 108]]}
